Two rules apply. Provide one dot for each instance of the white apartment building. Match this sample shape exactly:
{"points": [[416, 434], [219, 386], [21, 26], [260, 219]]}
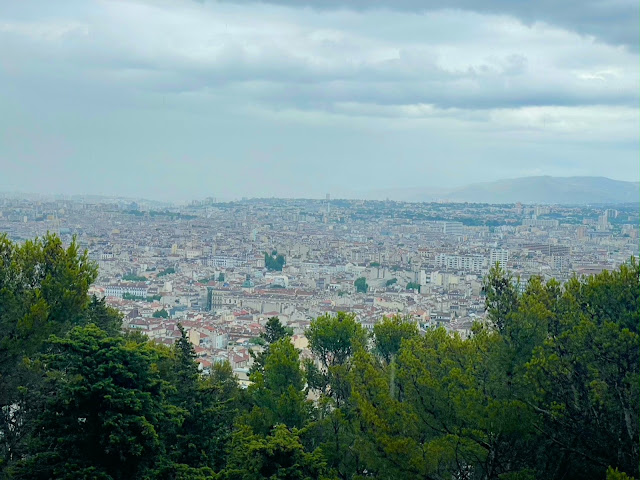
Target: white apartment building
{"points": [[223, 261], [473, 263], [118, 290], [455, 229], [499, 255], [534, 222]]}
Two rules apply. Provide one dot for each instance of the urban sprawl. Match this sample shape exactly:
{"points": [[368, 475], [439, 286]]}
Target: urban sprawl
{"points": [[222, 269]]}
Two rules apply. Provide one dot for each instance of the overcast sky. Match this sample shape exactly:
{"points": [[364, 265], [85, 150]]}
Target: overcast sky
{"points": [[181, 99]]}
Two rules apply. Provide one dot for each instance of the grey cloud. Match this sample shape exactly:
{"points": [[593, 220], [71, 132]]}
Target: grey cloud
{"points": [[308, 65], [612, 21], [288, 78]]}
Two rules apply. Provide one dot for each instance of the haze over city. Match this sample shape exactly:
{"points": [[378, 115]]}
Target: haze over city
{"points": [[176, 100]]}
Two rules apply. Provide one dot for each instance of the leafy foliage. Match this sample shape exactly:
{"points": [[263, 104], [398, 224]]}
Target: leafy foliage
{"points": [[413, 286], [103, 316], [501, 296], [361, 285], [389, 334], [273, 331], [279, 455], [334, 339], [167, 271], [148, 298], [274, 262], [278, 391], [43, 292], [547, 388], [102, 409], [134, 278]]}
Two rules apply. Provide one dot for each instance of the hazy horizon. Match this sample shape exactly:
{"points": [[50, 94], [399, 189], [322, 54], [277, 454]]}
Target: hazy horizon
{"points": [[405, 194], [174, 100]]}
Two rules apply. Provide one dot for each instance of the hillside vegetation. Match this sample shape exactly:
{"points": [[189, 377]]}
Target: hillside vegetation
{"points": [[547, 390]]}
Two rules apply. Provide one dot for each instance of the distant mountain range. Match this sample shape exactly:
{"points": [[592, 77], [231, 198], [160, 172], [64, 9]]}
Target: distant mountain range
{"points": [[543, 189]]}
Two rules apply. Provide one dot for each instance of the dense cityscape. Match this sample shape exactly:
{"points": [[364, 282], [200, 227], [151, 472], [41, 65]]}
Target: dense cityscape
{"points": [[319, 240], [223, 269]]}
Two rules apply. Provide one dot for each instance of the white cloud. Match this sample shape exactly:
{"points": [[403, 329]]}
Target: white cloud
{"points": [[45, 31]]}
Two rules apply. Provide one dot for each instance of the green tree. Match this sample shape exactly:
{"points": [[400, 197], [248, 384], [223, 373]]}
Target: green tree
{"points": [[134, 278], [221, 277], [389, 334], [586, 376], [361, 285], [393, 281], [413, 286], [439, 411], [207, 408], [279, 455], [571, 354], [43, 291], [103, 316], [274, 262], [160, 314], [167, 271], [148, 298], [103, 406], [273, 331], [615, 474], [501, 296], [43, 288], [335, 338], [278, 392]]}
